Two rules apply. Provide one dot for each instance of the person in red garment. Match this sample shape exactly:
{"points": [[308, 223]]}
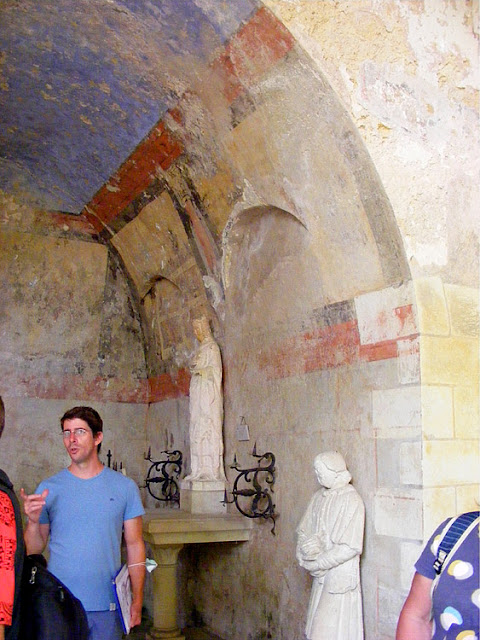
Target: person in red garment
{"points": [[11, 553]]}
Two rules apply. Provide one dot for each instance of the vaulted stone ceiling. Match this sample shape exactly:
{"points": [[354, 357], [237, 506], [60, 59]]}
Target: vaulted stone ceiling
{"points": [[152, 126], [82, 83]]}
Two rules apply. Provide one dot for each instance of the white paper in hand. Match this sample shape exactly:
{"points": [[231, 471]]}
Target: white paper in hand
{"points": [[123, 596]]}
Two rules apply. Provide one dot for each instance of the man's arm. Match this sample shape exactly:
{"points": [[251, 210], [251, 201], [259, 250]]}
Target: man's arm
{"points": [[36, 534], [2, 632], [133, 534], [414, 622]]}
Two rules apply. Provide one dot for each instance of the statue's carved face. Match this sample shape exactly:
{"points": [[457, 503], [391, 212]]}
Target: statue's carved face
{"points": [[201, 328], [325, 476]]}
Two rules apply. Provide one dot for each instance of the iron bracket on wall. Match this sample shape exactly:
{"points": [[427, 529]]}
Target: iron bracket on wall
{"points": [[162, 477], [253, 487]]}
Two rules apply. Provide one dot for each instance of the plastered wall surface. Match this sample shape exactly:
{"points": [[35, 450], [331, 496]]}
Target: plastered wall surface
{"points": [[166, 278], [35, 424], [69, 335], [68, 320], [166, 430], [39, 273], [313, 378], [314, 193], [407, 73]]}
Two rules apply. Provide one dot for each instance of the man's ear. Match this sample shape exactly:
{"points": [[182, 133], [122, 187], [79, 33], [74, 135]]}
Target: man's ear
{"points": [[98, 437]]}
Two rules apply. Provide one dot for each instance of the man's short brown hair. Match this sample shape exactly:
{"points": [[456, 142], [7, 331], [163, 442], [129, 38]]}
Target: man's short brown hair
{"points": [[88, 415]]}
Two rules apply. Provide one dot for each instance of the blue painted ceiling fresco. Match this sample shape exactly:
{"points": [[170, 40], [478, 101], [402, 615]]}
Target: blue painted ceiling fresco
{"points": [[83, 81]]}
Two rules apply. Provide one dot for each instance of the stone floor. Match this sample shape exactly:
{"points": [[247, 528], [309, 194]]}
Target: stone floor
{"points": [[139, 633]]}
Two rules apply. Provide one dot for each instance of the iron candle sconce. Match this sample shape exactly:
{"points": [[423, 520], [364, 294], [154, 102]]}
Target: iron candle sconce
{"points": [[164, 474], [253, 487], [115, 465]]}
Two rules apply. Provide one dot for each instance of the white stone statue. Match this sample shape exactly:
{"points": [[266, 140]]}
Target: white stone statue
{"points": [[206, 407], [329, 544]]}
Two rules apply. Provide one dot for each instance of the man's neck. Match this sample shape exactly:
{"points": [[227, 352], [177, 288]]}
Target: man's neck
{"points": [[87, 469]]}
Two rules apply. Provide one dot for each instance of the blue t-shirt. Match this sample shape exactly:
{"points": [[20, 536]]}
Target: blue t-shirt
{"points": [[86, 521], [456, 601]]}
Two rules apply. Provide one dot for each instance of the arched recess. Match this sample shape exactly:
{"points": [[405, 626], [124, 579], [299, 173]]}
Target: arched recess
{"points": [[158, 257], [307, 373], [261, 263], [168, 315]]}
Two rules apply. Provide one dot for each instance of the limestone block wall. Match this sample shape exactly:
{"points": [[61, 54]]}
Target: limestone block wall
{"points": [[367, 387], [408, 75], [448, 321], [351, 382]]}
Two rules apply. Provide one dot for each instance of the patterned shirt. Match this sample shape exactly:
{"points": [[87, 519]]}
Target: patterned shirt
{"points": [[456, 601], [8, 545]]}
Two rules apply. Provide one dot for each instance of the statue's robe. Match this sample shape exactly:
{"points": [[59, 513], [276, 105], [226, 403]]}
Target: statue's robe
{"points": [[206, 413], [335, 520]]}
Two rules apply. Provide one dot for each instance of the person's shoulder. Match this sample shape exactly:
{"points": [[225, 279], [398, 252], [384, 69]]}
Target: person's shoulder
{"points": [[459, 520], [57, 478], [6, 489], [118, 478], [5, 480], [471, 515], [111, 475], [435, 538]]}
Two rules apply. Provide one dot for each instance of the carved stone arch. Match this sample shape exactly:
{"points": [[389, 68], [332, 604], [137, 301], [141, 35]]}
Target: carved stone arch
{"points": [[167, 316], [267, 250]]}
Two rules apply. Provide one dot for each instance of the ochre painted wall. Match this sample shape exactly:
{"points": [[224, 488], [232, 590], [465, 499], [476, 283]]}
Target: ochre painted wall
{"points": [[314, 192]]}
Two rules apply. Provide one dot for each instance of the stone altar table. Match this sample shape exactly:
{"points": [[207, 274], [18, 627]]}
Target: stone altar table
{"points": [[167, 531]]}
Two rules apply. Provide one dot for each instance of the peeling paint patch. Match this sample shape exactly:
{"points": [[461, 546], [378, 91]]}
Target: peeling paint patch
{"points": [[167, 386], [322, 349], [50, 387], [312, 351], [251, 52], [159, 149]]}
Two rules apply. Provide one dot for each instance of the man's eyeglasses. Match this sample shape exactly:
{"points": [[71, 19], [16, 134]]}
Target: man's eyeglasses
{"points": [[78, 433]]}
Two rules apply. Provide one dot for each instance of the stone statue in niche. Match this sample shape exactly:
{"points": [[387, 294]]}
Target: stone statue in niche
{"points": [[329, 544], [206, 407]]}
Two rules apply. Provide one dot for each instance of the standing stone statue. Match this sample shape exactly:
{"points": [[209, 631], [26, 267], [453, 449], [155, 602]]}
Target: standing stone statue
{"points": [[329, 544], [206, 407]]}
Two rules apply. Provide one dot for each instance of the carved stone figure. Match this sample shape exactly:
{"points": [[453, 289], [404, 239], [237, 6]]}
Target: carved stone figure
{"points": [[329, 544], [206, 407]]}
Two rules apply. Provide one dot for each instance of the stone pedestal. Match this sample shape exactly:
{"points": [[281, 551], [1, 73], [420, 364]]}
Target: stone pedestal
{"points": [[167, 533], [165, 593], [202, 496]]}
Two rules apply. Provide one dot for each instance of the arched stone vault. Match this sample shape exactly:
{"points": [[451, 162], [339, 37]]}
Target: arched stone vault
{"points": [[251, 198], [305, 235], [276, 152]]}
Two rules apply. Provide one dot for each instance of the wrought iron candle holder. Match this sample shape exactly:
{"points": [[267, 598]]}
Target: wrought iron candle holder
{"points": [[253, 487], [162, 477], [116, 466]]}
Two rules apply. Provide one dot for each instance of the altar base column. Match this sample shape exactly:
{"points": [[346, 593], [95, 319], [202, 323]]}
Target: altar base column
{"points": [[165, 593]]}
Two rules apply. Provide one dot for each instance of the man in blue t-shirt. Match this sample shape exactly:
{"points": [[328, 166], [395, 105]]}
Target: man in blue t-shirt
{"points": [[83, 510]]}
